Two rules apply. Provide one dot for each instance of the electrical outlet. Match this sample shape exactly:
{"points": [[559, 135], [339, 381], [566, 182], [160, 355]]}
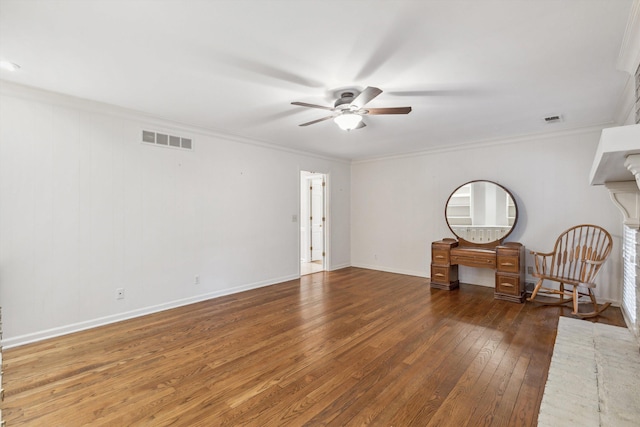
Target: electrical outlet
{"points": [[120, 293], [196, 280], [529, 270]]}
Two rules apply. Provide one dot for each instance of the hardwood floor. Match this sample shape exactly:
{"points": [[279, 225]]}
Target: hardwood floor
{"points": [[350, 347]]}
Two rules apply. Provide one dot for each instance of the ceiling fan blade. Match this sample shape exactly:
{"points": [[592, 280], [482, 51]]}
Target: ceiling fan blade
{"points": [[264, 69], [365, 96], [459, 91], [316, 121], [392, 110], [399, 33], [418, 93], [304, 104]]}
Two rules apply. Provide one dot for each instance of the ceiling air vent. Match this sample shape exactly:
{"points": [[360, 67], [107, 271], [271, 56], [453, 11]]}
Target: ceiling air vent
{"points": [[167, 140], [554, 118]]}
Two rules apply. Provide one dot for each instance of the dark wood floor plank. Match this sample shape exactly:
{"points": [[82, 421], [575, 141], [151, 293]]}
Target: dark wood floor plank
{"points": [[490, 388], [350, 347], [446, 362]]}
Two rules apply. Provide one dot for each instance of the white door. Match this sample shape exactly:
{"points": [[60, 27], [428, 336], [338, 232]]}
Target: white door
{"points": [[317, 218]]}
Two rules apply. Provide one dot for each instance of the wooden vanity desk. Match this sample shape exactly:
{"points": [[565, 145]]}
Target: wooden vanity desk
{"points": [[507, 260], [484, 247]]}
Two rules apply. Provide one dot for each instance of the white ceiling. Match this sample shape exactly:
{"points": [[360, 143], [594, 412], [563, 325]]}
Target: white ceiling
{"points": [[472, 70]]}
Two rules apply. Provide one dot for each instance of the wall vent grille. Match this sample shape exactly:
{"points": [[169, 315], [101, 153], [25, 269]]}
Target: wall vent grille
{"points": [[555, 118], [167, 140]]}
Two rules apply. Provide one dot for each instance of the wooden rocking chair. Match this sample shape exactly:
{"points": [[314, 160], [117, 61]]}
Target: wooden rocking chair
{"points": [[575, 261]]}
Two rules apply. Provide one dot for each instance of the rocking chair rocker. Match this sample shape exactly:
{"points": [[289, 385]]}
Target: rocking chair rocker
{"points": [[576, 259]]}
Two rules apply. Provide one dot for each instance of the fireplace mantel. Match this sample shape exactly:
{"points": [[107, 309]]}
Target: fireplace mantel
{"points": [[617, 167]]}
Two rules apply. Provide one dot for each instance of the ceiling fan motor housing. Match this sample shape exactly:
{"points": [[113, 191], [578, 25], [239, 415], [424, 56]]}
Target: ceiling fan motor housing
{"points": [[349, 108], [346, 98]]}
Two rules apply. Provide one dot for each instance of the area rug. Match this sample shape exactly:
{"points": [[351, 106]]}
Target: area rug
{"points": [[594, 377]]}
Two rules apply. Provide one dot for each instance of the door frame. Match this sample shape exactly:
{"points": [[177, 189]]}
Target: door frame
{"points": [[326, 210]]}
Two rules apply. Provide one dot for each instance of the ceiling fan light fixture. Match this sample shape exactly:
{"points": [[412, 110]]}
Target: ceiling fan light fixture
{"points": [[348, 121], [9, 66], [348, 110]]}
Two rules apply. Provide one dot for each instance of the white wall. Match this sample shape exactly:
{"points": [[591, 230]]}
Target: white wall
{"points": [[398, 204], [85, 208]]}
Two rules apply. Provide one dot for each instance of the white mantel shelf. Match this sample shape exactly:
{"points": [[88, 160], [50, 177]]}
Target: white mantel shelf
{"points": [[616, 144], [617, 167]]}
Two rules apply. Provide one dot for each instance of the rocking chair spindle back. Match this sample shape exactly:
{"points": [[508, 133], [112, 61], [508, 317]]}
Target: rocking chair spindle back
{"points": [[577, 257]]}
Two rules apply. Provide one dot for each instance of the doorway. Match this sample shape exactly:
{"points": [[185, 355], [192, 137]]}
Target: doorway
{"points": [[313, 222]]}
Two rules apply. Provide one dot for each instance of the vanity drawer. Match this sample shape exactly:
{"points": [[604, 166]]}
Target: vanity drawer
{"points": [[440, 274], [509, 264], [507, 284], [439, 256], [444, 274], [474, 261]]}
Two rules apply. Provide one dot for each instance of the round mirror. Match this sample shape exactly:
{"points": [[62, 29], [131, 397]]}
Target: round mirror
{"points": [[481, 212]]}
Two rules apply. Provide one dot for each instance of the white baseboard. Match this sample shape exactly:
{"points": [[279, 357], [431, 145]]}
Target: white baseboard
{"points": [[392, 270], [340, 266], [101, 321]]}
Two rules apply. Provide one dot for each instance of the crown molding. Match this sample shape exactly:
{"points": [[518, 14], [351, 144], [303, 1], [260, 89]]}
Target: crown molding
{"points": [[8, 88], [516, 139]]}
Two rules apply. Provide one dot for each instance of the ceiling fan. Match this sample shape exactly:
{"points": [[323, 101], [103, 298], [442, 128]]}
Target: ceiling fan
{"points": [[349, 108]]}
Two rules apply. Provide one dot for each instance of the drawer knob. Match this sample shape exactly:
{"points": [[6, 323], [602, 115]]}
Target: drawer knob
{"points": [[506, 285], [439, 274], [508, 264]]}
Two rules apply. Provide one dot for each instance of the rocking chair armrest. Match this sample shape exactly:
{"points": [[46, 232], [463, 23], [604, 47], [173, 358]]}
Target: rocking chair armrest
{"points": [[540, 261], [541, 254]]}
